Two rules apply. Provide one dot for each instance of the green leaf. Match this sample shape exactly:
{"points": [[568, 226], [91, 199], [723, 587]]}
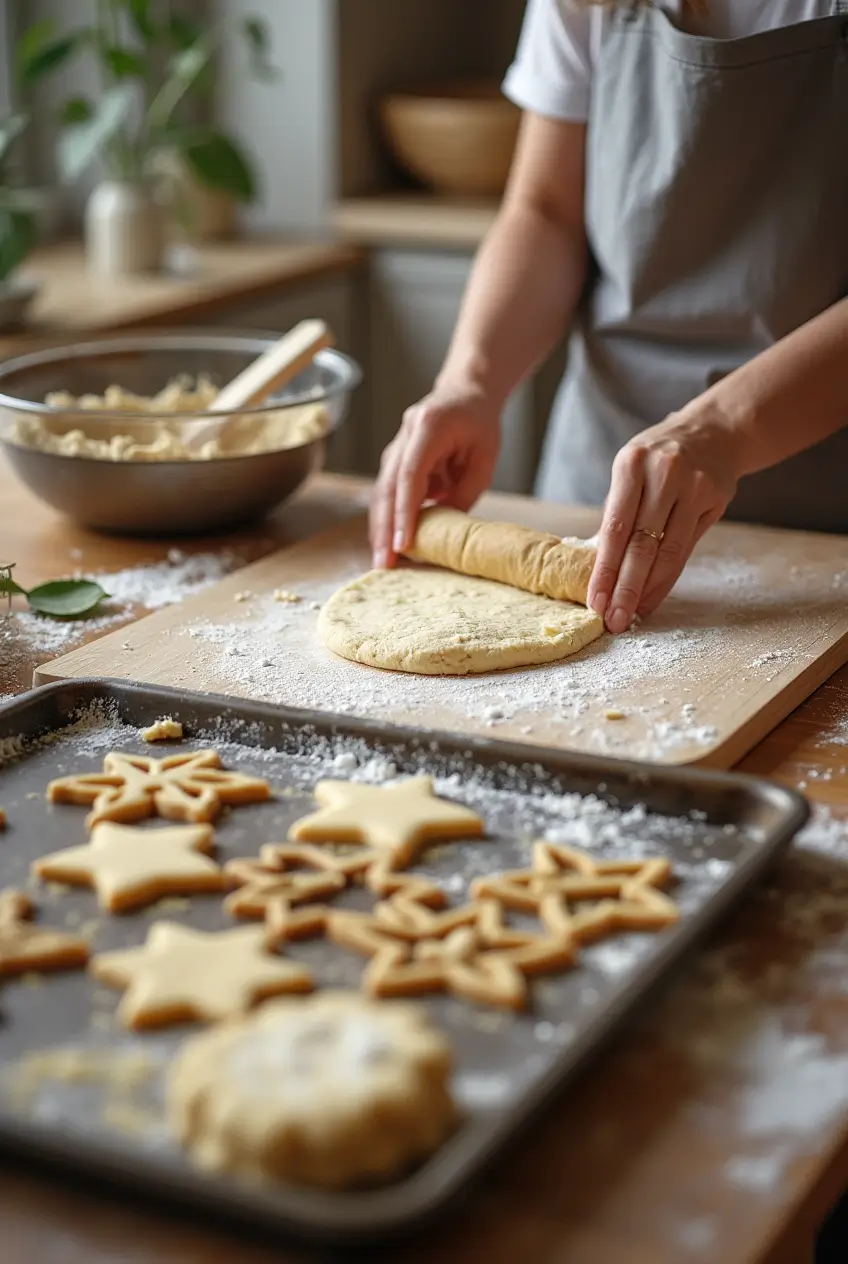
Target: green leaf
{"points": [[259, 48], [34, 38], [183, 33], [18, 235], [37, 58], [188, 63], [218, 162], [185, 70], [256, 32], [80, 145], [123, 63], [19, 198], [8, 587], [77, 110], [66, 598], [10, 129], [140, 14]]}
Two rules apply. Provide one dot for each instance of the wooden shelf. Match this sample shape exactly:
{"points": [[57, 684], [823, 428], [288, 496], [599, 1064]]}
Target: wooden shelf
{"points": [[74, 301], [415, 219]]}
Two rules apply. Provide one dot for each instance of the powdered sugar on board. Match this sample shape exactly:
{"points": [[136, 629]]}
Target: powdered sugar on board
{"points": [[663, 691]]}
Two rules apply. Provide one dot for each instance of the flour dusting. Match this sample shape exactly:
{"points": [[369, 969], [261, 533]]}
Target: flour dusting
{"points": [[28, 639], [720, 614]]}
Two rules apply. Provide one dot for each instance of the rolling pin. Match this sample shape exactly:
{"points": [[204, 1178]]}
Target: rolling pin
{"points": [[531, 560]]}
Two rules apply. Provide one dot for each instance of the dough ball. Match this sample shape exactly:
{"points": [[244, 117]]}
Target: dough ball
{"points": [[333, 1091]]}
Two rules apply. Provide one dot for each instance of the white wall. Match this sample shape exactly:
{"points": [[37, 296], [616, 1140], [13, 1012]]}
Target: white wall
{"points": [[290, 125]]}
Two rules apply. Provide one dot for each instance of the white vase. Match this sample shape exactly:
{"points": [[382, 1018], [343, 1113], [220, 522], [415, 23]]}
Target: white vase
{"points": [[124, 229]]}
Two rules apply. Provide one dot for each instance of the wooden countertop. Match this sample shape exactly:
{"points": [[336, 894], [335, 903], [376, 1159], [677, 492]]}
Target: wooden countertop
{"points": [[716, 1127], [414, 219], [74, 301]]}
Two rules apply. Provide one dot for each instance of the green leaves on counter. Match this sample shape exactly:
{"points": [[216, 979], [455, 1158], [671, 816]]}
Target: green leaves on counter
{"points": [[59, 598]]}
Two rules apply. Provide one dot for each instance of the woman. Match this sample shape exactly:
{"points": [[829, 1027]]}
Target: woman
{"points": [[679, 197]]}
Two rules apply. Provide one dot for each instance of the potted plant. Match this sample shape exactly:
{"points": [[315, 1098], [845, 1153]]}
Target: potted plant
{"points": [[19, 211], [154, 65]]}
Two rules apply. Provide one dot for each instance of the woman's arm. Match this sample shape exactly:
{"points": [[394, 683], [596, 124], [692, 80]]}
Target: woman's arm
{"points": [[530, 271], [523, 291], [790, 397], [676, 479]]}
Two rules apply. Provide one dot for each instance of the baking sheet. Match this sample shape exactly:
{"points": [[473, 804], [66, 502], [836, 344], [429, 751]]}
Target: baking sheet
{"points": [[719, 831]]}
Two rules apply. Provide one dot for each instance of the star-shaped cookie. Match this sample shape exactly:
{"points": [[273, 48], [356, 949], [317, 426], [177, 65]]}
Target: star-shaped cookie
{"points": [[129, 867], [284, 884], [581, 898], [184, 787], [180, 975], [398, 819], [468, 952], [365, 863], [25, 946], [260, 888]]}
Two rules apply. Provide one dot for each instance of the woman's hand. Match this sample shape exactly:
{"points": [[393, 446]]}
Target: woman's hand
{"points": [[445, 450], [669, 485]]}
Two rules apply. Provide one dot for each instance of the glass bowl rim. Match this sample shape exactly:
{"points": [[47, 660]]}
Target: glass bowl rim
{"points": [[347, 370]]}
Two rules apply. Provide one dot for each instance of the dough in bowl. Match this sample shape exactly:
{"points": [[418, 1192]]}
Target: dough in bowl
{"points": [[439, 623]]}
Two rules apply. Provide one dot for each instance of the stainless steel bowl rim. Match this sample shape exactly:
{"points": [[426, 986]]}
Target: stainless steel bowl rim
{"points": [[349, 374]]}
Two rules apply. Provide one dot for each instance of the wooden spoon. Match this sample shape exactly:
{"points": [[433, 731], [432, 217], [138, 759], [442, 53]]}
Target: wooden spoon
{"points": [[270, 371]]}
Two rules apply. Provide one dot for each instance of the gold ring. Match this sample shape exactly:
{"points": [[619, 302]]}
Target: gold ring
{"points": [[644, 531]]}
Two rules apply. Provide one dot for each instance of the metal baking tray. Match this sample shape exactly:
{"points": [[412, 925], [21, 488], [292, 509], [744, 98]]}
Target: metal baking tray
{"points": [[720, 831]]}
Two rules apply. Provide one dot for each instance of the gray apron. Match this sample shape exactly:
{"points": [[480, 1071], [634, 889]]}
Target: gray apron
{"points": [[717, 217]]}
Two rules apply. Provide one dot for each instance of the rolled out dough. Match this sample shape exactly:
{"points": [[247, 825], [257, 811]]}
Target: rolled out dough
{"points": [[438, 623]]}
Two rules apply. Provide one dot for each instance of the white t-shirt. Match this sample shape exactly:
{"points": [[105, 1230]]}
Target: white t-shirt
{"points": [[560, 40]]}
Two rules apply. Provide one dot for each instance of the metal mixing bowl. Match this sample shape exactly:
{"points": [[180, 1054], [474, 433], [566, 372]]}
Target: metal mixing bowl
{"points": [[162, 497]]}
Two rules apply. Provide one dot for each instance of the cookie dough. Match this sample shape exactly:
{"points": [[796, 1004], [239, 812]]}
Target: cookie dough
{"points": [[397, 819], [164, 730], [121, 439], [335, 1091], [437, 623], [180, 974], [25, 946], [186, 787], [532, 560], [129, 867]]}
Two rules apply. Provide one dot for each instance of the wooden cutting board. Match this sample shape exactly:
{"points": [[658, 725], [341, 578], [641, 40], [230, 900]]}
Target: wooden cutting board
{"points": [[757, 622]]}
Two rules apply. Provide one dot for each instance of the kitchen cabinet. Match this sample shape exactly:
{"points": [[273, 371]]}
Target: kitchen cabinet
{"points": [[413, 302]]}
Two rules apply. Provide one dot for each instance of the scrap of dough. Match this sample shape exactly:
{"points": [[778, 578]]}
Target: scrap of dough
{"points": [[180, 974], [333, 1092], [164, 730], [531, 560], [130, 867], [438, 623], [25, 946], [398, 818]]}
